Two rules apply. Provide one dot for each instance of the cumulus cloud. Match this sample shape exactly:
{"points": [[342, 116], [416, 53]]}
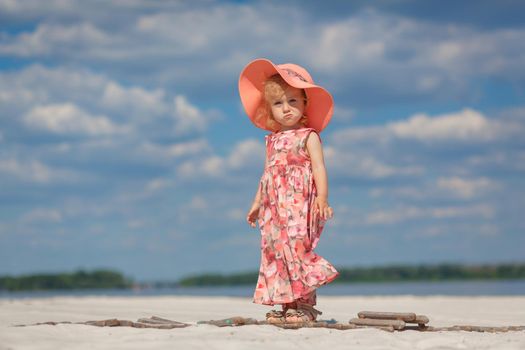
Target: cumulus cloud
{"points": [[246, 156], [41, 215], [134, 99], [68, 118], [456, 158], [466, 188], [198, 203], [35, 171], [188, 117], [442, 188], [465, 125], [403, 214], [177, 150], [55, 39], [208, 167], [360, 165], [78, 101]]}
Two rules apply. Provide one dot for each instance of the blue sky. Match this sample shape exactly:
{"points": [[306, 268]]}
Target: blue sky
{"points": [[123, 143]]}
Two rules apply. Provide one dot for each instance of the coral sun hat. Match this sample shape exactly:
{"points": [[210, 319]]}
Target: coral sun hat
{"points": [[319, 108]]}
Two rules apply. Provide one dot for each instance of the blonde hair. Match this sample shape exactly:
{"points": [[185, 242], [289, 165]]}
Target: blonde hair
{"points": [[274, 88]]}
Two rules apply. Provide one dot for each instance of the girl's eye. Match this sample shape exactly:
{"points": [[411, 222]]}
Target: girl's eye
{"points": [[278, 103], [292, 101]]}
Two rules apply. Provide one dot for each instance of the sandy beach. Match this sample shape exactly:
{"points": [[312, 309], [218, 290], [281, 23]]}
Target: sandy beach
{"points": [[442, 311]]}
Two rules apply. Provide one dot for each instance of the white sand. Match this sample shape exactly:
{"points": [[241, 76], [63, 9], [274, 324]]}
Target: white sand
{"points": [[442, 311]]}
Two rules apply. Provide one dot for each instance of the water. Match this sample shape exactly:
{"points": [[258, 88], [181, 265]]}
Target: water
{"points": [[465, 288]]}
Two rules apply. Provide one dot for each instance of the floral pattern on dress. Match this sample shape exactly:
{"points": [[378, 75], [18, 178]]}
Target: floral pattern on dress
{"points": [[290, 270]]}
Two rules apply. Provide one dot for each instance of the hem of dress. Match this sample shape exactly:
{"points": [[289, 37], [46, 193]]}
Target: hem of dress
{"points": [[272, 303]]}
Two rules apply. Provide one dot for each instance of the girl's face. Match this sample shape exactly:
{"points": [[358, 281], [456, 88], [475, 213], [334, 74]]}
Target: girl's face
{"points": [[288, 109]]}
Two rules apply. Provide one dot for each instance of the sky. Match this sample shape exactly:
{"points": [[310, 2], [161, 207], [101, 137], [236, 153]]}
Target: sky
{"points": [[124, 145]]}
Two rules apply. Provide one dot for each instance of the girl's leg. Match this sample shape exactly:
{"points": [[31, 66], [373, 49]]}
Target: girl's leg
{"points": [[275, 316], [310, 299], [303, 309]]}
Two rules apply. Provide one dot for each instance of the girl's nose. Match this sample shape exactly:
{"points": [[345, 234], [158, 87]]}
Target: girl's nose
{"points": [[286, 106]]}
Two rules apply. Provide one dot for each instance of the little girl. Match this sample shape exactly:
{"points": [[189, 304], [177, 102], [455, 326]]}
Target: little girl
{"points": [[291, 203]]}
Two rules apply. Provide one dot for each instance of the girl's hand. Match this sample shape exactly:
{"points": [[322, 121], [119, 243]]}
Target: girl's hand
{"points": [[321, 206], [253, 214]]}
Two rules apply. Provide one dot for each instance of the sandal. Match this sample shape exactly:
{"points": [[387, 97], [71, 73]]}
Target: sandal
{"points": [[275, 316], [303, 313]]}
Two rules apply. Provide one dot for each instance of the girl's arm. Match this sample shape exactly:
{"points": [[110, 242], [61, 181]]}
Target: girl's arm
{"points": [[315, 150], [253, 213]]}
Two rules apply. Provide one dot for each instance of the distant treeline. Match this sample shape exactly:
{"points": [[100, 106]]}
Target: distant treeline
{"points": [[397, 273], [106, 279], [99, 279]]}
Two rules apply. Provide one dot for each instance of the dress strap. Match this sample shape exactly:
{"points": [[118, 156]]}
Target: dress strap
{"points": [[304, 137]]}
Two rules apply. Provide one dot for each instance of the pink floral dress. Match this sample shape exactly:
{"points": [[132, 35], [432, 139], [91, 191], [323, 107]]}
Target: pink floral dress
{"points": [[290, 270]]}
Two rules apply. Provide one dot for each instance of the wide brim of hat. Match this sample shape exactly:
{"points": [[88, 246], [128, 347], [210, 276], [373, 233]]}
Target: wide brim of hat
{"points": [[319, 109]]}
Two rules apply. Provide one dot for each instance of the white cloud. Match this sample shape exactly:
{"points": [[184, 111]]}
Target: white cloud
{"points": [[246, 154], [134, 99], [359, 164], [35, 171], [403, 214], [450, 188], [352, 42], [198, 203], [176, 150], [472, 229], [52, 39], [236, 214], [466, 188], [41, 215], [188, 117], [68, 118], [376, 135], [343, 114], [395, 149], [466, 52], [213, 166], [156, 185], [402, 192], [37, 85], [230, 242], [465, 125]]}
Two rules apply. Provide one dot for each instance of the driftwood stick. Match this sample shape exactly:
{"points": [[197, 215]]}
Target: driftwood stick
{"points": [[112, 322], [141, 323], [232, 321], [158, 322], [158, 326], [404, 316], [469, 328], [420, 320], [160, 319], [383, 328], [397, 324]]}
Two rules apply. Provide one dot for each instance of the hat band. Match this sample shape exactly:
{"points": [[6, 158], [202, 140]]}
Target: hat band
{"points": [[294, 74]]}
